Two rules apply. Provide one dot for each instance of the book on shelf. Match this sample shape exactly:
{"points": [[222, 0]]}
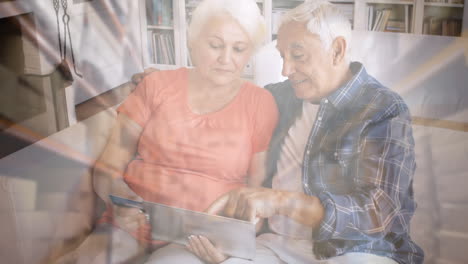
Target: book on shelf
{"points": [[407, 20], [442, 26], [370, 17], [159, 12], [389, 19], [432, 26], [377, 20], [154, 47], [446, 1], [381, 18], [395, 26], [163, 48]]}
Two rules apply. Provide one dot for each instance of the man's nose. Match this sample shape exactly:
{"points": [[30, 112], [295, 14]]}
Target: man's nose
{"points": [[288, 68]]}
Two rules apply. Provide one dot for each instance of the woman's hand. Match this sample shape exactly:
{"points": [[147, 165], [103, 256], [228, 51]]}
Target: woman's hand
{"points": [[133, 221], [202, 248]]}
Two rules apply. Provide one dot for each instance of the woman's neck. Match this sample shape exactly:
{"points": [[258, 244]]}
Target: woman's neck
{"points": [[206, 97], [201, 85]]}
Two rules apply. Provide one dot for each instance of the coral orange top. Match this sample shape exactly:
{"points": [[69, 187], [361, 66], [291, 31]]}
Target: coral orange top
{"points": [[188, 160]]}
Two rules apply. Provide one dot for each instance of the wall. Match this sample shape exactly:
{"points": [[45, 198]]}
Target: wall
{"points": [[429, 72], [106, 40]]}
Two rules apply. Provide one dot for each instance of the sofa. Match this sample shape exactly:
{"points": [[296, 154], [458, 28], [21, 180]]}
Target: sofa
{"points": [[47, 203]]}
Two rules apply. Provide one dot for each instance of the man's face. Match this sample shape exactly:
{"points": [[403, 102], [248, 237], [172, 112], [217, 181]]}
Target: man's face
{"points": [[306, 63]]}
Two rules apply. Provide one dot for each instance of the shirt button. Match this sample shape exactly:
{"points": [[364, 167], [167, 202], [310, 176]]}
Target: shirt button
{"points": [[336, 154], [306, 185], [319, 118], [326, 101], [308, 152]]}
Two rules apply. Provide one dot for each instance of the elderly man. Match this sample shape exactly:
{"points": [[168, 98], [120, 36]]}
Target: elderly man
{"points": [[342, 155], [341, 159]]}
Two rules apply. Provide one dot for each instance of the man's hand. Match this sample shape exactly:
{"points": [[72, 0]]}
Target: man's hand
{"points": [[202, 248], [137, 77], [248, 204], [251, 204]]}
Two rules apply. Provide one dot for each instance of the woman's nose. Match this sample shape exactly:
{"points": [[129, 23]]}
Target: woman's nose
{"points": [[224, 56]]}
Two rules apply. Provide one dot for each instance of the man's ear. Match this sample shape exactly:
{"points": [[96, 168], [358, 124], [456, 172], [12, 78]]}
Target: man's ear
{"points": [[339, 46]]}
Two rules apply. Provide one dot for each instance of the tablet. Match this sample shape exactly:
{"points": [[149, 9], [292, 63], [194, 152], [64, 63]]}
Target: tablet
{"points": [[233, 237]]}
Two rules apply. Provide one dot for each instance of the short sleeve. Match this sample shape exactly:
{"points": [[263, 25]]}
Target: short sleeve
{"points": [[138, 105], [266, 119]]}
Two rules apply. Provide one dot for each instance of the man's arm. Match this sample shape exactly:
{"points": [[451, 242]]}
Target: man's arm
{"points": [[111, 165], [251, 204], [108, 175], [382, 187], [383, 184]]}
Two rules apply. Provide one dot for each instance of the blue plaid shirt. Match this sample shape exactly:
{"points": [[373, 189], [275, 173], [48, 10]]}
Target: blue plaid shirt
{"points": [[359, 161]]}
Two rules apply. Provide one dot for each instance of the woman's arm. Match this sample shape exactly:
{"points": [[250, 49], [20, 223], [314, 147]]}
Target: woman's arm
{"points": [[200, 245], [119, 151], [257, 171], [257, 175]]}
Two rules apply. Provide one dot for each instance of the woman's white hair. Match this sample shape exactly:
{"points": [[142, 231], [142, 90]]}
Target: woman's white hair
{"points": [[245, 12], [323, 19]]}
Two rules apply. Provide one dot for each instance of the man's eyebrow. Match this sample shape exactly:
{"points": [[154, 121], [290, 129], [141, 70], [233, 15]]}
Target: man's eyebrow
{"points": [[296, 45], [215, 36]]}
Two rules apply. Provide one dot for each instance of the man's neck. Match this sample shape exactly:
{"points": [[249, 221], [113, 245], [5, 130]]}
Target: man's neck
{"points": [[344, 75]]}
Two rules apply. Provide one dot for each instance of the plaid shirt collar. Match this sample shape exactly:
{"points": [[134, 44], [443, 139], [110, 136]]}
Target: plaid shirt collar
{"points": [[347, 92]]}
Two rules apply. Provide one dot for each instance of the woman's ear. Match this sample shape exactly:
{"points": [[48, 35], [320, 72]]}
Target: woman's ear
{"points": [[339, 47]]}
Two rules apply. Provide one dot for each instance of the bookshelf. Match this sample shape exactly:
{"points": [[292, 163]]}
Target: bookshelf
{"points": [[431, 17], [164, 23], [442, 18], [434, 17]]}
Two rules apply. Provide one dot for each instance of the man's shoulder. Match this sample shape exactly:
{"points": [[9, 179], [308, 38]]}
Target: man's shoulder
{"points": [[380, 101], [279, 87], [282, 92]]}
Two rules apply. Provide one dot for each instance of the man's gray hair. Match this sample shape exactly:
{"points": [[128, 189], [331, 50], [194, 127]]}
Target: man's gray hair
{"points": [[323, 19], [245, 12]]}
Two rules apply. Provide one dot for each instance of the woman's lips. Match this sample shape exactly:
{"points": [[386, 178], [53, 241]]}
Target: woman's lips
{"points": [[223, 70]]}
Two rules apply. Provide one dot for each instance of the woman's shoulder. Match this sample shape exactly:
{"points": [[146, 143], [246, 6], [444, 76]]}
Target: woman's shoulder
{"points": [[256, 97], [256, 92], [166, 82], [168, 75]]}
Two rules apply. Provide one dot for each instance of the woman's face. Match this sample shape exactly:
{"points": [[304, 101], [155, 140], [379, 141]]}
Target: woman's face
{"points": [[221, 50]]}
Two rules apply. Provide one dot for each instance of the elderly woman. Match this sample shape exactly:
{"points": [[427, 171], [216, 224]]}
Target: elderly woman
{"points": [[185, 137]]}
